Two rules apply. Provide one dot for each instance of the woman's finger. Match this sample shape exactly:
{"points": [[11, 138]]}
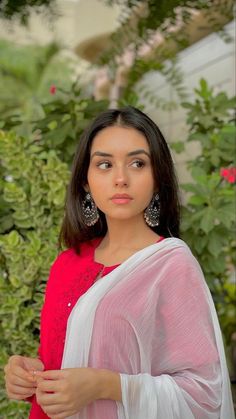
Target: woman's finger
{"points": [[18, 381], [21, 373], [12, 387], [16, 393], [47, 399], [52, 374], [49, 385]]}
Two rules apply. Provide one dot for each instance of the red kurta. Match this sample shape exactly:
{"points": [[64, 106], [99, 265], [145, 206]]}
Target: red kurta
{"points": [[71, 275]]}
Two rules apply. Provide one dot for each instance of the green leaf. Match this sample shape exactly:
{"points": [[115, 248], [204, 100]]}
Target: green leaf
{"points": [[200, 243], [52, 125], [205, 92], [20, 215], [219, 263], [35, 241], [215, 243], [178, 147], [207, 222], [6, 223], [199, 172], [16, 282], [24, 223], [13, 238], [197, 200], [226, 217]]}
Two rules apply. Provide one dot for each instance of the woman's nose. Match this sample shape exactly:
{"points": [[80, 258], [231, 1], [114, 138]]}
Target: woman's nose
{"points": [[121, 178]]}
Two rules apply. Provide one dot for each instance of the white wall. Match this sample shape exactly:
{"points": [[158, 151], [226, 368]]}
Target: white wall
{"points": [[211, 59], [75, 22]]}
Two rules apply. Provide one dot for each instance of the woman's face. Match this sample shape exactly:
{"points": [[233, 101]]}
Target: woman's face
{"points": [[120, 176]]}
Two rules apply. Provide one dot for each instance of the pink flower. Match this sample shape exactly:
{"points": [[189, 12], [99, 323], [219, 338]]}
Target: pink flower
{"points": [[223, 172], [229, 174], [231, 178], [53, 89]]}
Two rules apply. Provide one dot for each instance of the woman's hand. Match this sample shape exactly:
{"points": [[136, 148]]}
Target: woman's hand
{"points": [[19, 376], [63, 393]]}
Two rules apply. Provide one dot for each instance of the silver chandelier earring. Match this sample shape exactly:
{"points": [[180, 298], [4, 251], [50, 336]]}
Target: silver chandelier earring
{"points": [[152, 212], [89, 210]]}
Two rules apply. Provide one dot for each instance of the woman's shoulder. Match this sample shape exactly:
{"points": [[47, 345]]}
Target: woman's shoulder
{"points": [[71, 256], [178, 250], [179, 260], [175, 244]]}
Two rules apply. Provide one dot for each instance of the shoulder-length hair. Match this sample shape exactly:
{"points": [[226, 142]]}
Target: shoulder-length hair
{"points": [[74, 231]]}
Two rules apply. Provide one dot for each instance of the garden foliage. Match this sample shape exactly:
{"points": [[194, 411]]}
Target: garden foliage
{"points": [[34, 175], [26, 74], [33, 185], [209, 220]]}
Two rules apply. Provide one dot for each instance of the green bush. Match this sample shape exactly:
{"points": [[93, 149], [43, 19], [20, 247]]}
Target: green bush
{"points": [[33, 186], [26, 74], [34, 175], [64, 120], [209, 213]]}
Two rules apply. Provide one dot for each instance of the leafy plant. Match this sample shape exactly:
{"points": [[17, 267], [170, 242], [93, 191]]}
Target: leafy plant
{"points": [[140, 21], [34, 175], [209, 214], [64, 120], [140, 18], [11, 9], [26, 74], [33, 187]]}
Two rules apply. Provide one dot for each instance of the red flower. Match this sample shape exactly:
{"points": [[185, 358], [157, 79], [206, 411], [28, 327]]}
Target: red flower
{"points": [[223, 172], [229, 174], [53, 89]]}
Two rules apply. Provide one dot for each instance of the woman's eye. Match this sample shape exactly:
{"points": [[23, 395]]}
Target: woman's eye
{"points": [[104, 165], [138, 163]]}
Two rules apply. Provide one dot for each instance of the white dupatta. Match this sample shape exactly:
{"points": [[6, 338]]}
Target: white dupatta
{"points": [[152, 319]]}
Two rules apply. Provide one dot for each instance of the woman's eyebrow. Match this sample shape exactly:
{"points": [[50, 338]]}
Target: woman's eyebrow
{"points": [[135, 152], [131, 153], [101, 154]]}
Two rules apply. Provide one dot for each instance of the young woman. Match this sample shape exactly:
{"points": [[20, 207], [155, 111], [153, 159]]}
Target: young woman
{"points": [[128, 327]]}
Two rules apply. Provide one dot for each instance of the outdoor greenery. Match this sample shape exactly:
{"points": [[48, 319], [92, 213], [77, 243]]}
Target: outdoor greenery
{"points": [[21, 9], [140, 21], [140, 18], [33, 184], [26, 75], [209, 221], [65, 119], [34, 176]]}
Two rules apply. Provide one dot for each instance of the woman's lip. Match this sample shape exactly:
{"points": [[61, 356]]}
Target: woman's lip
{"points": [[121, 196], [121, 200]]}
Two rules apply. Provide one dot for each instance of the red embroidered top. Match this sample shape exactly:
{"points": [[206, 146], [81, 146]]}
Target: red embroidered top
{"points": [[71, 275]]}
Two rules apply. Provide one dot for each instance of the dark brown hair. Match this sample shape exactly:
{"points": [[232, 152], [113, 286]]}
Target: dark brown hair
{"points": [[74, 230]]}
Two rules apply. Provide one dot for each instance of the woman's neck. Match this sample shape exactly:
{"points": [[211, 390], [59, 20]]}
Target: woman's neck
{"points": [[128, 234], [123, 239]]}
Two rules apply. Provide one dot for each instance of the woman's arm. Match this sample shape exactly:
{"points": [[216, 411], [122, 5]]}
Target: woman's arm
{"points": [[110, 385], [66, 392]]}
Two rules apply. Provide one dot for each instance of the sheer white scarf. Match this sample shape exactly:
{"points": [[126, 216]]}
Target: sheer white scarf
{"points": [[152, 319]]}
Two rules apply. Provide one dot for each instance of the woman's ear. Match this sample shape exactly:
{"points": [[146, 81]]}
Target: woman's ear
{"points": [[86, 187]]}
